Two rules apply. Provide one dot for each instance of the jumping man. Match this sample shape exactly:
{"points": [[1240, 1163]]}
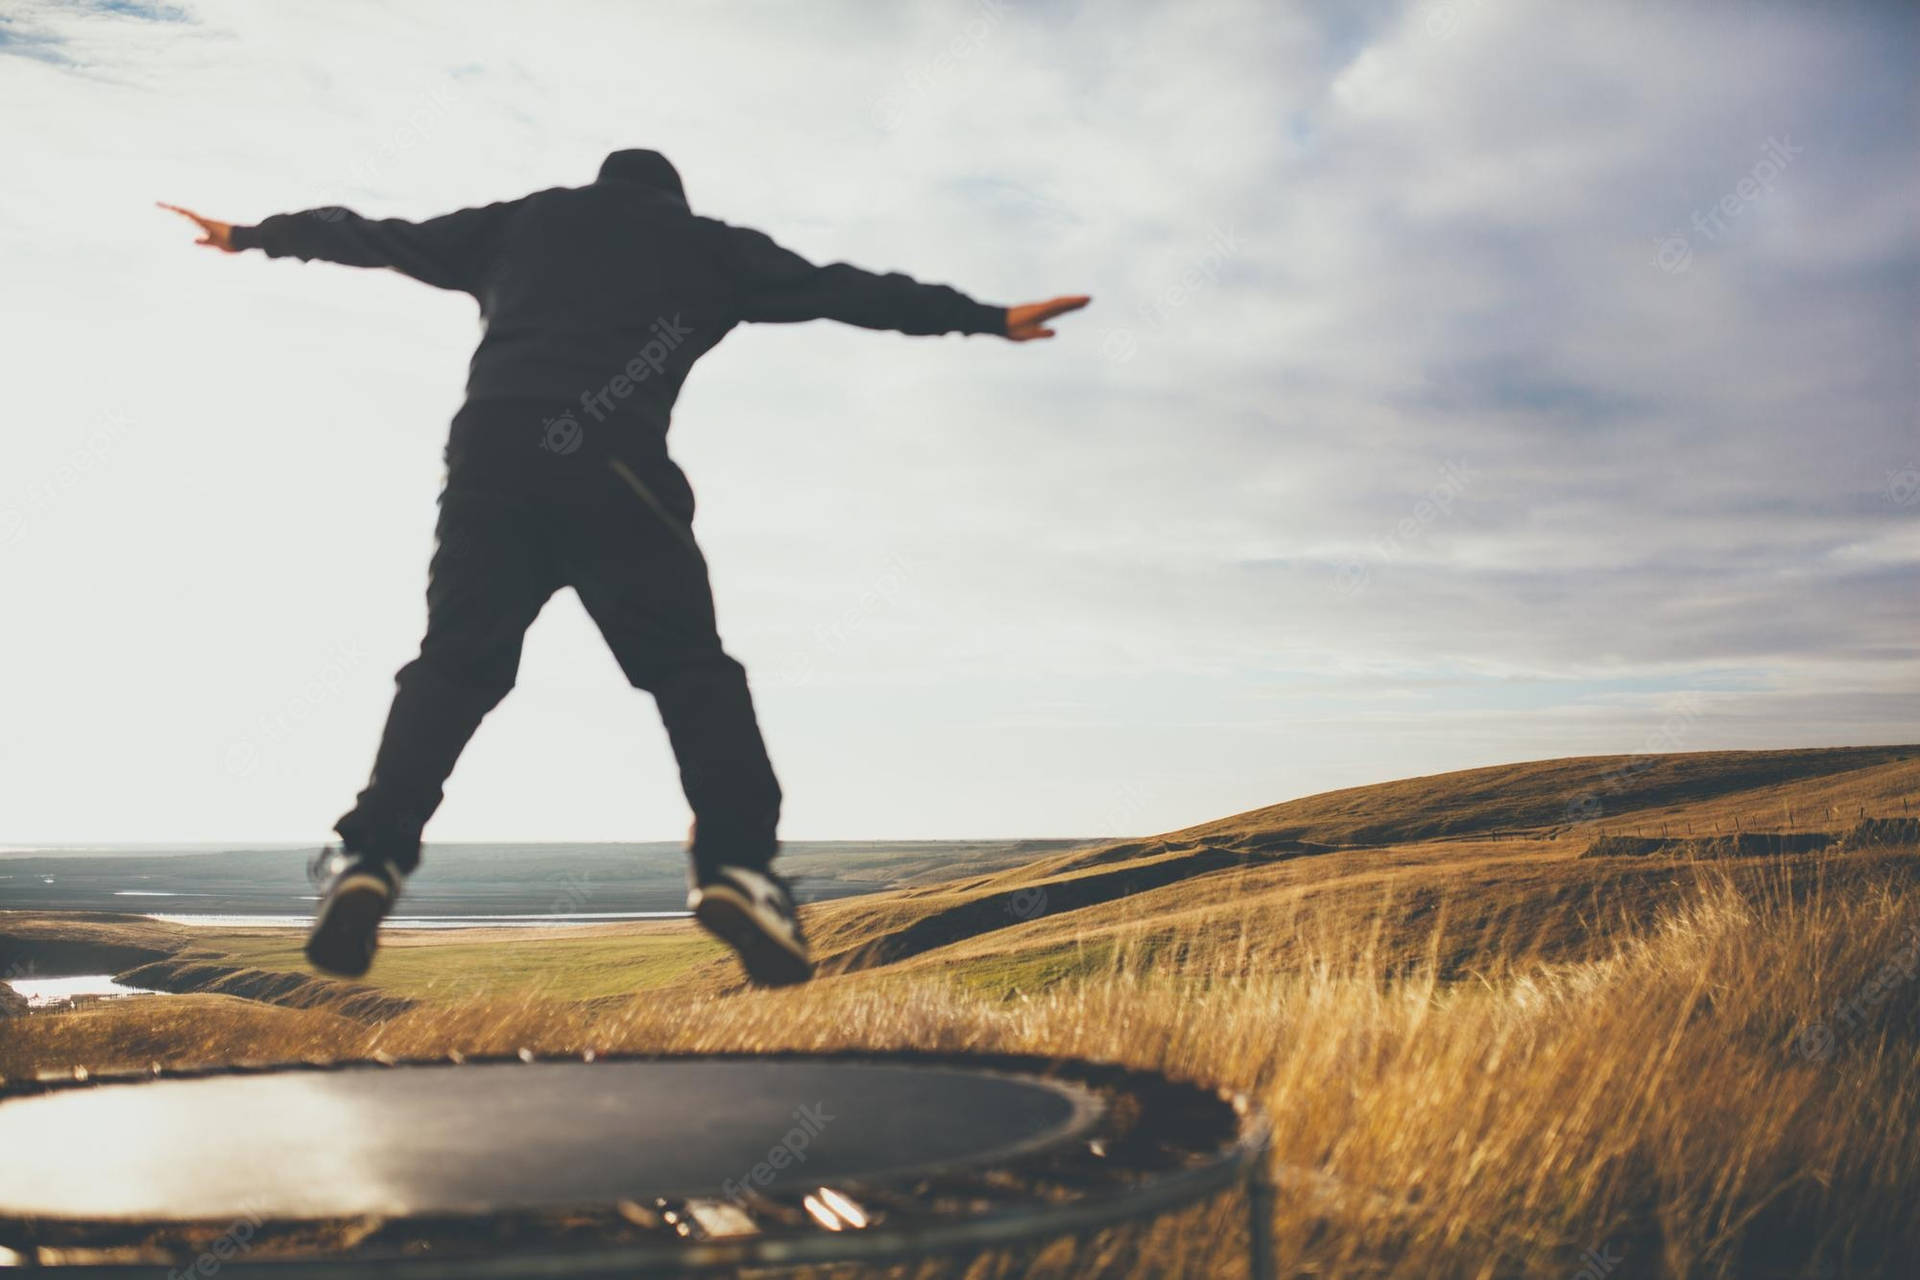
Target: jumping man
{"points": [[595, 302]]}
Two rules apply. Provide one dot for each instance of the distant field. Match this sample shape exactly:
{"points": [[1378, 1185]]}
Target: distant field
{"points": [[571, 965], [1491, 1047], [472, 879]]}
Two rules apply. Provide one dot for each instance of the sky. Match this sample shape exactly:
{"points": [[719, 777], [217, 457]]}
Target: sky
{"points": [[1465, 383]]}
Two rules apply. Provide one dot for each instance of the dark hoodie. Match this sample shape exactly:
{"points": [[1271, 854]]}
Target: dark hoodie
{"points": [[600, 298]]}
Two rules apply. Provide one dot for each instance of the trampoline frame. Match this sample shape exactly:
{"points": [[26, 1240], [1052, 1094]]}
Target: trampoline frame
{"points": [[1241, 1164]]}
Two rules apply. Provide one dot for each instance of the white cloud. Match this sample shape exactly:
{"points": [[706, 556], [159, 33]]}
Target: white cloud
{"points": [[979, 585]]}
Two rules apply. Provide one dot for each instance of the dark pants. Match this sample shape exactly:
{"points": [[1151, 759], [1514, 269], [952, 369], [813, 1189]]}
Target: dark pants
{"points": [[613, 524]]}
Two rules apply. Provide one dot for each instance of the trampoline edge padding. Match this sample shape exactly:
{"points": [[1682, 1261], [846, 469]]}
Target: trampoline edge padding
{"points": [[481, 1158]]}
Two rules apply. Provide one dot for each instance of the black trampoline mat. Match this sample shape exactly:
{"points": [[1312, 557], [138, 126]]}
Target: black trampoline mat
{"points": [[443, 1137]]}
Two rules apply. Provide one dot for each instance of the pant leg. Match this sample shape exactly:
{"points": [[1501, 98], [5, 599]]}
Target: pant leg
{"points": [[491, 573], [629, 553]]}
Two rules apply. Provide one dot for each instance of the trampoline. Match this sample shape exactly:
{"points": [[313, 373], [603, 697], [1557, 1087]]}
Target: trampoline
{"points": [[601, 1165]]}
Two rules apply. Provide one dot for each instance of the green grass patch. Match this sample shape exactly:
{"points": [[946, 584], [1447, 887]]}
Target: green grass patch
{"points": [[1002, 977], [452, 970]]}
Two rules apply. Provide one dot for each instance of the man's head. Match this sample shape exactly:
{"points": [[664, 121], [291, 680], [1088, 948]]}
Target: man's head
{"points": [[642, 169]]}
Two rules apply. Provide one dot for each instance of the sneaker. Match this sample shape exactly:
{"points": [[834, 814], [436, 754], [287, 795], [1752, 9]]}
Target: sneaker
{"points": [[358, 893], [752, 912]]}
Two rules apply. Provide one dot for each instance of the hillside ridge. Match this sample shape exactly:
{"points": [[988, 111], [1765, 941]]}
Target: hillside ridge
{"points": [[1529, 810]]}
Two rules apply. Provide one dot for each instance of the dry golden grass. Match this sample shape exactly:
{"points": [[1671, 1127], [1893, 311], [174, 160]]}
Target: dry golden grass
{"points": [[1483, 1057], [1547, 793], [1656, 1099]]}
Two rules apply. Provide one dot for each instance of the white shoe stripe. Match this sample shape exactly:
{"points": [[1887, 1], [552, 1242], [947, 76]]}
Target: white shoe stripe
{"points": [[764, 907]]}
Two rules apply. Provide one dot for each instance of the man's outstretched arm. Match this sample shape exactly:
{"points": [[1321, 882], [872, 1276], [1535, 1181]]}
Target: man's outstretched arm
{"points": [[448, 252], [778, 286]]}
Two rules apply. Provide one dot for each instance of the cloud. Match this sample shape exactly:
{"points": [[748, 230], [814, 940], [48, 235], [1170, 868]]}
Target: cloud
{"points": [[75, 35], [1646, 282]]}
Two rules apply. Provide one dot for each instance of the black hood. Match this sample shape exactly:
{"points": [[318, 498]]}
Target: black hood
{"points": [[642, 169]]}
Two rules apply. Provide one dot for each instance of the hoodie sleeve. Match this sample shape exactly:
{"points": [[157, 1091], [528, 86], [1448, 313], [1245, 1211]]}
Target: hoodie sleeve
{"points": [[452, 251], [774, 285]]}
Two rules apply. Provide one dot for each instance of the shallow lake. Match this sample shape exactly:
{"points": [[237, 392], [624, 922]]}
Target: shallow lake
{"points": [[44, 992]]}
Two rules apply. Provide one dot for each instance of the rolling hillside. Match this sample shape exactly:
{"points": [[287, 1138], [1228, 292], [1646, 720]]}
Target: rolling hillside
{"points": [[1659, 1007], [1506, 839]]}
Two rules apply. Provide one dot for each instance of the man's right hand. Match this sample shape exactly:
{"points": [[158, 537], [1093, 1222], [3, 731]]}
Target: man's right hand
{"points": [[1029, 320], [213, 232]]}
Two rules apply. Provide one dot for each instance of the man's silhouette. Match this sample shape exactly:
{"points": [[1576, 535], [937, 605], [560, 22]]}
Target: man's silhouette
{"points": [[595, 301]]}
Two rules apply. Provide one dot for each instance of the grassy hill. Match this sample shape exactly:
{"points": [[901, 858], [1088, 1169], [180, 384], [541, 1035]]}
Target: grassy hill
{"points": [[1479, 832], [1502, 844], [1545, 797], [1490, 1044]]}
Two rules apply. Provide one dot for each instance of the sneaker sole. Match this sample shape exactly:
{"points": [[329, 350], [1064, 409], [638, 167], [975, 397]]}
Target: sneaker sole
{"points": [[768, 959], [345, 933]]}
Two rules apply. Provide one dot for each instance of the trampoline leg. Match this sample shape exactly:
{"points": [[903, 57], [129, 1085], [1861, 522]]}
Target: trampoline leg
{"points": [[1260, 1220]]}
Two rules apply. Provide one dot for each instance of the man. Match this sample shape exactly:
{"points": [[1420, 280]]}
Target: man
{"points": [[595, 303]]}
